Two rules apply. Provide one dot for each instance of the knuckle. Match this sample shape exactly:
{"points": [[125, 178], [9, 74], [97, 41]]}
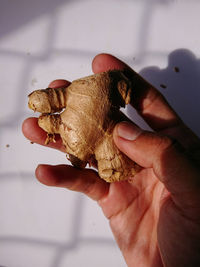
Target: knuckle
{"points": [[83, 184], [88, 188], [166, 143]]}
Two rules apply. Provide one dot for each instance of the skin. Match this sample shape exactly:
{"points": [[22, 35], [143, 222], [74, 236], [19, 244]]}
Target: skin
{"points": [[155, 217]]}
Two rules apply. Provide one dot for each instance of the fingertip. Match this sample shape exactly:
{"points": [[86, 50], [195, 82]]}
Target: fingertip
{"points": [[32, 131], [128, 131], [28, 125], [38, 171], [97, 62], [45, 175], [125, 132], [104, 62], [24, 126], [59, 83], [125, 136]]}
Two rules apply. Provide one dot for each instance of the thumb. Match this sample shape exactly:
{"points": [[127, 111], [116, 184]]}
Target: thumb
{"points": [[164, 155]]}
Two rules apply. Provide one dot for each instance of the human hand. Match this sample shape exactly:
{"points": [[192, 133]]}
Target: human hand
{"points": [[155, 217]]}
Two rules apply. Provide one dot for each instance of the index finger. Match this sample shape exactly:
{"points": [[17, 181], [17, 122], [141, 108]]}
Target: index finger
{"points": [[150, 103]]}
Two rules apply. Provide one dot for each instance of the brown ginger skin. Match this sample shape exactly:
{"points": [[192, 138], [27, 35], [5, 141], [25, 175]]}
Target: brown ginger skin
{"points": [[91, 110]]}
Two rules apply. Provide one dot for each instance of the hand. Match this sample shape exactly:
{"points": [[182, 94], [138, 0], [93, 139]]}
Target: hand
{"points": [[155, 217]]}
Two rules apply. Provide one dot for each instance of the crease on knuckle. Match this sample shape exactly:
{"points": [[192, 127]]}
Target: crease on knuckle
{"points": [[164, 147], [165, 144], [84, 185]]}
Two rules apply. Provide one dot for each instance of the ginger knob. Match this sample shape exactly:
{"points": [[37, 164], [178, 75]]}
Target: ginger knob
{"points": [[86, 114]]}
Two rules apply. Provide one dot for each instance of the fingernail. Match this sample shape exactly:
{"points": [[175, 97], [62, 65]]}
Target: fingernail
{"points": [[128, 131]]}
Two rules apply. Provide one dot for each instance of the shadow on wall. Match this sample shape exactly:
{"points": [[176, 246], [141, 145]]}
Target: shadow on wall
{"points": [[22, 12], [61, 248], [179, 82]]}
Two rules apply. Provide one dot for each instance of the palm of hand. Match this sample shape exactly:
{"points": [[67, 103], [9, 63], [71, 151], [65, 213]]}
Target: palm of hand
{"points": [[148, 225], [133, 209]]}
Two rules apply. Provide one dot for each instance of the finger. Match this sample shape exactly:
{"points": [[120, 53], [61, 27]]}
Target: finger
{"points": [[34, 133], [149, 102], [105, 62], [164, 156], [59, 83], [146, 99], [85, 181]]}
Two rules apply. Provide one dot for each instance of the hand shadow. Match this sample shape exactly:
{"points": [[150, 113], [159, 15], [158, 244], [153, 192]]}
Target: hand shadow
{"points": [[179, 82]]}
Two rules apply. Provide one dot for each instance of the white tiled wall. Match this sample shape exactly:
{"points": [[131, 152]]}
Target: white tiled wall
{"points": [[45, 40]]}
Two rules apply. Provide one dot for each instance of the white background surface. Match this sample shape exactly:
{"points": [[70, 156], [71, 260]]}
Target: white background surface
{"points": [[45, 40]]}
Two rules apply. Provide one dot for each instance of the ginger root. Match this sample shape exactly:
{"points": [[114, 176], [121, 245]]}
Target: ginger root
{"points": [[91, 110]]}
